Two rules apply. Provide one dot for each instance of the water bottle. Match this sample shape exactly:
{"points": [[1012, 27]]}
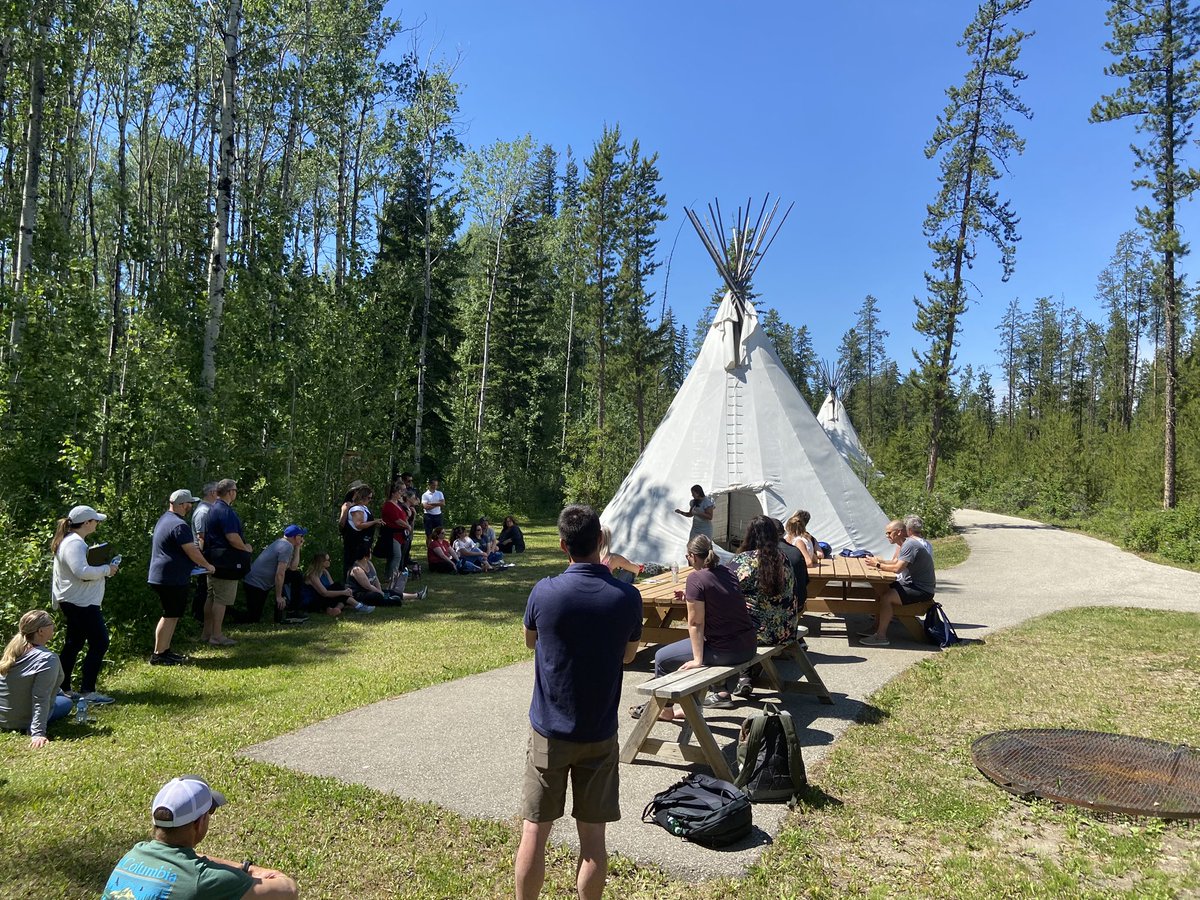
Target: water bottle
{"points": [[674, 573], [81, 711]]}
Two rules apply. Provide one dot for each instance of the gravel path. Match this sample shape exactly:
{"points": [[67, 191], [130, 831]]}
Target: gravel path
{"points": [[461, 744]]}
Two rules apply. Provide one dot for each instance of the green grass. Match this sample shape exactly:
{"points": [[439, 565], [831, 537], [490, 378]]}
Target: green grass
{"points": [[897, 809], [950, 551]]}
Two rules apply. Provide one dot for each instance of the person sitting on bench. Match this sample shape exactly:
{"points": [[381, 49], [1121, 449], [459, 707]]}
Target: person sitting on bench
{"points": [[720, 630], [915, 581]]}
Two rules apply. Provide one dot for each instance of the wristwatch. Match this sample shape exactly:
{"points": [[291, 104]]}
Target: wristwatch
{"points": [[246, 864]]}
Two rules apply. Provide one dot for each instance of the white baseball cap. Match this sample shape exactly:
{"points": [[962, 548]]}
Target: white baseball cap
{"points": [[80, 514], [186, 799]]}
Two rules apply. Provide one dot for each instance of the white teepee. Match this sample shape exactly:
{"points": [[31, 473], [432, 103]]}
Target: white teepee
{"points": [[836, 422], [741, 430]]}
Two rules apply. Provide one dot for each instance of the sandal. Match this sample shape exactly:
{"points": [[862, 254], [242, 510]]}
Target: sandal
{"points": [[636, 711]]}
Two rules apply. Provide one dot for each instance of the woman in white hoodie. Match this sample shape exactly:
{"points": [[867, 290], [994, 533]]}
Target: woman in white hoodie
{"points": [[78, 591]]}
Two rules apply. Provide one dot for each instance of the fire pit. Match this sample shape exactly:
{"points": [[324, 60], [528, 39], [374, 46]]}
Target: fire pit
{"points": [[1113, 773]]}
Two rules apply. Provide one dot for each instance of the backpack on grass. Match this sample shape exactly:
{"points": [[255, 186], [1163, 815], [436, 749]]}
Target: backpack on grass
{"points": [[771, 767], [702, 809], [938, 629]]}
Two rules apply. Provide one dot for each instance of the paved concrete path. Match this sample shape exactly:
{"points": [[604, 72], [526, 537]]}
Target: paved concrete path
{"points": [[461, 744]]}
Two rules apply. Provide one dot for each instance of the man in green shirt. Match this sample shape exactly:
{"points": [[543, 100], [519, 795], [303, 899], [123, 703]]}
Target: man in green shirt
{"points": [[168, 867]]}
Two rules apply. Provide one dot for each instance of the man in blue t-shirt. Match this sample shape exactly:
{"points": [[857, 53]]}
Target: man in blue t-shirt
{"points": [[173, 556], [222, 532], [583, 626]]}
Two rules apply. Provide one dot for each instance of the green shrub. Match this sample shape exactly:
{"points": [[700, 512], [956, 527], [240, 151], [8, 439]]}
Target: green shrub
{"points": [[900, 497], [1171, 533]]}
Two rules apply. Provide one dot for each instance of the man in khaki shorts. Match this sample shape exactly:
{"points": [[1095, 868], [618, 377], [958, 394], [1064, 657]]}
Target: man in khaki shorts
{"points": [[582, 625], [222, 532]]}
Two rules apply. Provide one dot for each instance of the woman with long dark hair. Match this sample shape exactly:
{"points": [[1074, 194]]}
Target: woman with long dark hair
{"points": [[78, 590], [767, 581]]}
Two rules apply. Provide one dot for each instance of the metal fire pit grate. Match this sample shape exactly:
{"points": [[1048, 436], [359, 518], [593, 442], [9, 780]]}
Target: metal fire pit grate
{"points": [[1107, 772]]}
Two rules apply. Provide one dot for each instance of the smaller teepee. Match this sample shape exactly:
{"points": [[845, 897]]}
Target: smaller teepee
{"points": [[836, 422]]}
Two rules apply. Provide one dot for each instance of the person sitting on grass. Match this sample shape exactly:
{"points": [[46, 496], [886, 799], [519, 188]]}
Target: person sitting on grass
{"points": [[511, 539], [30, 676], [441, 554], [167, 865], [470, 558], [720, 631], [364, 582], [321, 592], [621, 568], [485, 539], [915, 581]]}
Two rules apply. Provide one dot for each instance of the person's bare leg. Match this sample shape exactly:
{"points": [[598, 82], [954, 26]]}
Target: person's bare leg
{"points": [[218, 616], [592, 868], [667, 713], [884, 605], [206, 631], [531, 859], [164, 631]]}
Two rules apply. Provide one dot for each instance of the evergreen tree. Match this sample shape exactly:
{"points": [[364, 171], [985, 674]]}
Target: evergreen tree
{"points": [[1156, 43], [972, 138]]}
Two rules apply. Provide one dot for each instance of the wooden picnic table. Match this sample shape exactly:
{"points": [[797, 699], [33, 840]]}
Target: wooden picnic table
{"points": [[840, 586]]}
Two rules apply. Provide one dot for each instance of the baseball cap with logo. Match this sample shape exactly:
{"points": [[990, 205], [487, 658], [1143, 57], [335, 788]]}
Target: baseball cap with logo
{"points": [[294, 531], [183, 800]]}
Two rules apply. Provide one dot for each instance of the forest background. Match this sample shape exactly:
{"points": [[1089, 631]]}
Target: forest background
{"points": [[242, 240]]}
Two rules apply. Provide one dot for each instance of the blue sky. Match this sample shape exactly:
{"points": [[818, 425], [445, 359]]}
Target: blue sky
{"points": [[828, 105]]}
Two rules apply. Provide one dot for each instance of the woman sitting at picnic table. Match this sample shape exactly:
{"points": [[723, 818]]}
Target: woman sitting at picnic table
{"points": [[470, 558], [796, 534], [511, 539], [720, 631], [30, 676], [621, 568], [766, 579], [441, 556], [321, 592]]}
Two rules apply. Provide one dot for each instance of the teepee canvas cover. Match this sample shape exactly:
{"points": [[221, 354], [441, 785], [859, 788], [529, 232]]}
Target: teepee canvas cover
{"points": [[740, 429], [836, 422]]}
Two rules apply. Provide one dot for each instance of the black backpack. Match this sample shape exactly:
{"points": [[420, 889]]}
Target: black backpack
{"points": [[768, 752], [702, 809], [938, 629]]}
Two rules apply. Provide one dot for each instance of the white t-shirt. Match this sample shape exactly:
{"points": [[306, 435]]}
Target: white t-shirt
{"points": [[436, 497]]}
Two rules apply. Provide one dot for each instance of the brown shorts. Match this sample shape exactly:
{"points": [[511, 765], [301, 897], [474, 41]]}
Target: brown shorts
{"points": [[595, 782], [222, 591]]}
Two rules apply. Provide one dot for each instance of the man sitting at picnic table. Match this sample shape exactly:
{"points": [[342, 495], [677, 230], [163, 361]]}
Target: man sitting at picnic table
{"points": [[915, 580]]}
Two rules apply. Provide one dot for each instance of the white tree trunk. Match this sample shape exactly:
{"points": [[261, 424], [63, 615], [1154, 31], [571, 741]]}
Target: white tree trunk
{"points": [[224, 198]]}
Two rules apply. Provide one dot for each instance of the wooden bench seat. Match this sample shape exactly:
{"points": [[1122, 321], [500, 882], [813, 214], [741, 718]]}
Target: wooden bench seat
{"points": [[858, 601], [688, 688]]}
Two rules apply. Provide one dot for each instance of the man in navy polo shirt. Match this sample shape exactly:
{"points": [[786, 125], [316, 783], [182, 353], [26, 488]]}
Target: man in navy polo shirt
{"points": [[583, 626]]}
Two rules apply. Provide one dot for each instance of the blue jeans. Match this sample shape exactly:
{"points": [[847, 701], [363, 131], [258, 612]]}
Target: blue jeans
{"points": [[495, 557], [85, 625], [465, 566], [62, 706], [670, 657]]}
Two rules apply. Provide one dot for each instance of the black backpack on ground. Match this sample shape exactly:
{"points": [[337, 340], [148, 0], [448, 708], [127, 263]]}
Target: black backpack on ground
{"points": [[938, 629], [771, 767], [702, 809]]}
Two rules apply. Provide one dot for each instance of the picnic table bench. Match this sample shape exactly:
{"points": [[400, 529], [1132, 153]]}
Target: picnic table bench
{"points": [[688, 688], [846, 585]]}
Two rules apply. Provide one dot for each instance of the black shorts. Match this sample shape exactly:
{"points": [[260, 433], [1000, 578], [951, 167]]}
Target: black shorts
{"points": [[174, 599], [911, 595]]}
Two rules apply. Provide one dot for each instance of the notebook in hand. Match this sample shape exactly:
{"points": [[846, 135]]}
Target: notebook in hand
{"points": [[99, 555]]}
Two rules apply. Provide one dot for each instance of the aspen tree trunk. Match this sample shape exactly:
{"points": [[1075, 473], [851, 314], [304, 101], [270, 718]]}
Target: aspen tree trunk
{"points": [[33, 165], [220, 236], [487, 333]]}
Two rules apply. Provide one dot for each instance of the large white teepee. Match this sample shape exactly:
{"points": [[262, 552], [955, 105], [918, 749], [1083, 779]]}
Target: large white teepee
{"points": [[836, 422], [740, 429]]}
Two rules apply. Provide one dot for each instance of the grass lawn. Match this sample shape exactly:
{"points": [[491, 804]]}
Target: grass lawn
{"points": [[897, 808]]}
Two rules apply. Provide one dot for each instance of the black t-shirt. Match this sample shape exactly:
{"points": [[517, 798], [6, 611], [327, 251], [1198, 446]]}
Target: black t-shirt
{"points": [[727, 623], [799, 571]]}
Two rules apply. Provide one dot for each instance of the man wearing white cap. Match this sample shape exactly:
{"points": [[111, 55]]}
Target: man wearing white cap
{"points": [[77, 590], [167, 866], [173, 555]]}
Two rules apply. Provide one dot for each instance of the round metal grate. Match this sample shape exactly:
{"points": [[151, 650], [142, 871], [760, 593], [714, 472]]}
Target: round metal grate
{"points": [[1107, 772]]}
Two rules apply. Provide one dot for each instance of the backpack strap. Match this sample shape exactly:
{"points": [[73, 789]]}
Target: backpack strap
{"points": [[795, 759]]}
